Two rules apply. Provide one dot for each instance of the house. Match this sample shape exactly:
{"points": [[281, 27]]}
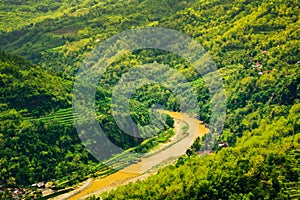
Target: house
{"points": [[222, 144], [258, 64], [263, 72], [17, 193], [40, 184]]}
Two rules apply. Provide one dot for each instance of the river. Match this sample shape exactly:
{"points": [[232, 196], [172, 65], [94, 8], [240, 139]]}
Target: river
{"points": [[195, 129]]}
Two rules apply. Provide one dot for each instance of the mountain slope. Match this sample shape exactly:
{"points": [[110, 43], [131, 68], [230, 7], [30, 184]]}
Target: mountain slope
{"points": [[255, 45]]}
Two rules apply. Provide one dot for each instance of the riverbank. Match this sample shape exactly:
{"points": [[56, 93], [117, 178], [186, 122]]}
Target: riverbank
{"points": [[165, 154], [140, 177], [84, 185]]}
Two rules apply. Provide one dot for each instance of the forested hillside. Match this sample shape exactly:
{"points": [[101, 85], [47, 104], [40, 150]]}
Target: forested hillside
{"points": [[256, 47], [33, 149]]}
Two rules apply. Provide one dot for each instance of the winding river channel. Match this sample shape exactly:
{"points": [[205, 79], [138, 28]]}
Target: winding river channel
{"points": [[181, 142]]}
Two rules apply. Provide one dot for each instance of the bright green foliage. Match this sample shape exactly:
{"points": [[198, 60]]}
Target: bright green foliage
{"points": [[29, 88], [35, 150], [263, 164], [254, 43]]}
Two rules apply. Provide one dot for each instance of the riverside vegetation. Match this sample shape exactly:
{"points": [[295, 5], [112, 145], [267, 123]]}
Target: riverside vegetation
{"points": [[255, 45]]}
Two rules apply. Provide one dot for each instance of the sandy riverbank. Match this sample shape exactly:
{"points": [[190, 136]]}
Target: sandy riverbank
{"points": [[150, 164]]}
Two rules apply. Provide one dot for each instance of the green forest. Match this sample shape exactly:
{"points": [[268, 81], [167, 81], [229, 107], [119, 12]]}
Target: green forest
{"points": [[255, 46]]}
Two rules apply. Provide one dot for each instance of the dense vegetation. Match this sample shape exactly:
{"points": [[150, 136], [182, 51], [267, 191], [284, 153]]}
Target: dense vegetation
{"points": [[34, 149], [38, 138], [255, 45]]}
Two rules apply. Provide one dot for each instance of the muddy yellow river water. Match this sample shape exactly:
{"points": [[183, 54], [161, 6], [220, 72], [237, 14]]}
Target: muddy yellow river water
{"points": [[196, 128]]}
